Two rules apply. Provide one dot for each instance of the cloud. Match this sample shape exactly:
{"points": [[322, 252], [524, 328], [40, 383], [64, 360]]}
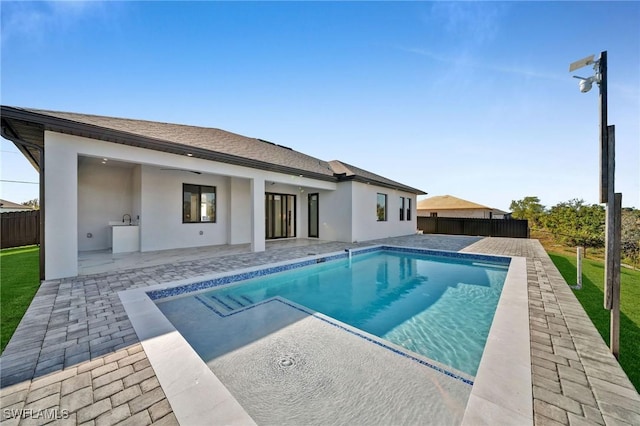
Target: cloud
{"points": [[465, 62], [472, 22], [35, 21], [463, 29]]}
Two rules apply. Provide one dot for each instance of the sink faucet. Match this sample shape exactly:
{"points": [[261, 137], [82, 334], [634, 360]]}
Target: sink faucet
{"points": [[125, 215]]}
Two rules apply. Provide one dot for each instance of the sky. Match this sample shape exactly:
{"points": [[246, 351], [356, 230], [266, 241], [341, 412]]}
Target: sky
{"points": [[470, 99]]}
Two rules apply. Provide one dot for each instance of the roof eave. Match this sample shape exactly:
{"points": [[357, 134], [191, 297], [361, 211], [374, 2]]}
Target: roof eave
{"points": [[455, 208], [7, 132], [342, 177]]}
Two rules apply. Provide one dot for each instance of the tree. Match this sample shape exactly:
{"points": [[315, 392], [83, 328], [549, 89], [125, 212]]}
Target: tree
{"points": [[577, 224], [528, 208], [32, 203], [630, 239]]}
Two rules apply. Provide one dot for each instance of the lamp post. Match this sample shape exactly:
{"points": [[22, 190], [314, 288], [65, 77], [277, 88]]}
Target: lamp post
{"points": [[607, 194]]}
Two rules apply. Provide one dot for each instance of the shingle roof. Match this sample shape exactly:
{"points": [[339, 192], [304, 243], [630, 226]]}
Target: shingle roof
{"points": [[353, 172], [27, 124], [210, 139], [449, 202]]}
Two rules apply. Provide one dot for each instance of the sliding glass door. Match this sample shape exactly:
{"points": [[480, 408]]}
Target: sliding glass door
{"points": [[280, 215]]}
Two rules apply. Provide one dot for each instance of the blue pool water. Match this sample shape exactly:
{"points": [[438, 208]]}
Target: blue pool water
{"points": [[439, 307]]}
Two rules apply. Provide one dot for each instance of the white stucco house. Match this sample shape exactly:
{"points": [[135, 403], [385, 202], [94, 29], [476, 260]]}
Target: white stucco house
{"points": [[450, 206], [177, 186]]}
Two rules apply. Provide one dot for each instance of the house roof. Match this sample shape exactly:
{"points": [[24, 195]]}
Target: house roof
{"points": [[11, 205], [349, 172], [26, 126], [449, 202]]}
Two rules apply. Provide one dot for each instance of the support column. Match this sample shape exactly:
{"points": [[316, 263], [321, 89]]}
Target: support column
{"points": [[239, 211], [61, 200], [257, 215]]}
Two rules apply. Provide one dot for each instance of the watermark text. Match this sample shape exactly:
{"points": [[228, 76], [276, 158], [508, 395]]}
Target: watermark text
{"points": [[46, 414]]}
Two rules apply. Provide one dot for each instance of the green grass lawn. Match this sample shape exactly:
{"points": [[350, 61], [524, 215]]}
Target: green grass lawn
{"points": [[591, 298], [19, 281]]}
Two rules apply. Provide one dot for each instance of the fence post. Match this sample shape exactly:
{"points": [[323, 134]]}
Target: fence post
{"points": [[614, 326], [579, 256]]}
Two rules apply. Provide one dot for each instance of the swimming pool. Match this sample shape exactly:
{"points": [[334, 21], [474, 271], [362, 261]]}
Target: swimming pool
{"points": [[277, 362], [439, 305]]}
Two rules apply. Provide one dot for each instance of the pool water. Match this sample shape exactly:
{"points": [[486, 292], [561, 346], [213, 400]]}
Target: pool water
{"points": [[439, 307]]}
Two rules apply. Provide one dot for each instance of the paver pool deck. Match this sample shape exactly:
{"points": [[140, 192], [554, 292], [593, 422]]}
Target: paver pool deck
{"points": [[76, 350]]}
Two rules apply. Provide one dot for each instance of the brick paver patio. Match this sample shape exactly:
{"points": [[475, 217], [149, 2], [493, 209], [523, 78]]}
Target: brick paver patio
{"points": [[75, 354]]}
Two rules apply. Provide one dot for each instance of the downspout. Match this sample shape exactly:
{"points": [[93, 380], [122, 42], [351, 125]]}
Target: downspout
{"points": [[42, 207]]}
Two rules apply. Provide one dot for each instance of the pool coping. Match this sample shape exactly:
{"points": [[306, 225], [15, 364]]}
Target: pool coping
{"points": [[502, 392], [187, 384]]}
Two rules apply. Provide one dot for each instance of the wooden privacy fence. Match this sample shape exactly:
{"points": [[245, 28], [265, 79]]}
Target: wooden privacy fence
{"points": [[468, 226], [20, 228]]}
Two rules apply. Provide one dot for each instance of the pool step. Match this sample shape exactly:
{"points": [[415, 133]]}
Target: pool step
{"points": [[227, 303]]}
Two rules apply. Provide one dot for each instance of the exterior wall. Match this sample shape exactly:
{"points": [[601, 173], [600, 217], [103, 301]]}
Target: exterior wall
{"points": [[365, 221], [105, 194], [12, 209], [80, 199], [335, 213], [468, 213], [161, 224]]}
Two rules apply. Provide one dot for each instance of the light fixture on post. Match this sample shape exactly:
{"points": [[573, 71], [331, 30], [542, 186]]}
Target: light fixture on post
{"points": [[607, 195], [599, 77], [587, 82]]}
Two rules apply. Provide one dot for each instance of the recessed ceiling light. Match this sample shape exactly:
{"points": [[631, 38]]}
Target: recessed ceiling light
{"points": [[189, 154], [105, 159]]}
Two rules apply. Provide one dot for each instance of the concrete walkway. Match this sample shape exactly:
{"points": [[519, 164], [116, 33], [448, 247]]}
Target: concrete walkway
{"points": [[575, 378], [75, 358]]}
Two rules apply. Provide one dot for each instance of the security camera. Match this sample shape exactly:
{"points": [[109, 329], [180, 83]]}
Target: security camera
{"points": [[585, 85]]}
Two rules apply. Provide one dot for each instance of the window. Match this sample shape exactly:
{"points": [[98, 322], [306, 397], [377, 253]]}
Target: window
{"points": [[381, 207], [401, 208], [408, 208], [198, 203]]}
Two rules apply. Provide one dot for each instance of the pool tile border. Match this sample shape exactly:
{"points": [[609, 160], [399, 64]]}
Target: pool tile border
{"points": [[234, 277]]}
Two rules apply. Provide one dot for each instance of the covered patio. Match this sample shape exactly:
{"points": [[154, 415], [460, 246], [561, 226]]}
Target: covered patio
{"points": [[105, 261]]}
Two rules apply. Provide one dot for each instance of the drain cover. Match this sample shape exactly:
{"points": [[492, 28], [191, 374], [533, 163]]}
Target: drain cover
{"points": [[286, 361]]}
